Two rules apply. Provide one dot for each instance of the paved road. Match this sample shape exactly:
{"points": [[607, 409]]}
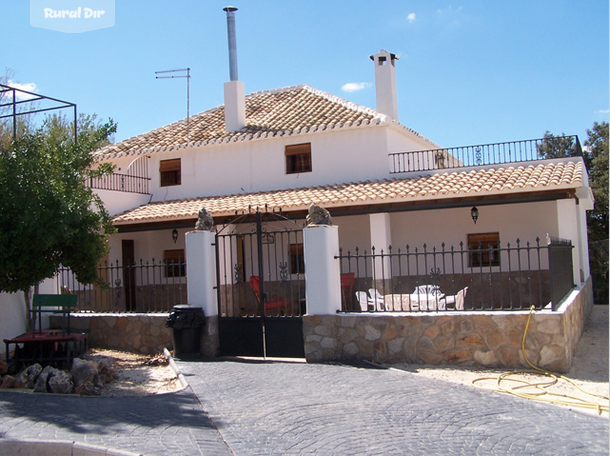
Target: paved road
{"points": [[290, 409], [250, 408]]}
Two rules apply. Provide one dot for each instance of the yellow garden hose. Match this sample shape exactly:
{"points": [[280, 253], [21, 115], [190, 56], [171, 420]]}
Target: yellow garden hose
{"points": [[539, 392]]}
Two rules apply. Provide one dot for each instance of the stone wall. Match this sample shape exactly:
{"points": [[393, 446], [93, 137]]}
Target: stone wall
{"points": [[138, 333], [491, 339]]}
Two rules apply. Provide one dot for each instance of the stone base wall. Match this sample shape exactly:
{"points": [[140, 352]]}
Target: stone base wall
{"points": [[138, 333], [491, 339]]}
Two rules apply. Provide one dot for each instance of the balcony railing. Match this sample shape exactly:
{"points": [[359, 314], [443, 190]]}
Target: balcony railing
{"points": [[484, 154], [120, 183], [134, 180]]}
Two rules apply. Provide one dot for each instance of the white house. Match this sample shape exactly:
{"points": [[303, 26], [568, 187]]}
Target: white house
{"points": [[385, 186], [299, 146]]}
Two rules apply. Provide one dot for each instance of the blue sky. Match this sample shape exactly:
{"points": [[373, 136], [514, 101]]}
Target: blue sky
{"points": [[470, 72]]}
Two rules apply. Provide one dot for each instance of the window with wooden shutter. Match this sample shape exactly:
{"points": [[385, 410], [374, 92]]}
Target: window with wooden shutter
{"points": [[298, 158], [484, 249], [170, 172], [174, 263]]}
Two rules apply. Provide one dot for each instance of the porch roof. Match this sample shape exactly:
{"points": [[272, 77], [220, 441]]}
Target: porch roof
{"points": [[563, 175]]}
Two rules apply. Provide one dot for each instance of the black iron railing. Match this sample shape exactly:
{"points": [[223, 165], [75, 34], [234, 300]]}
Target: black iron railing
{"points": [[483, 154], [151, 286], [134, 180], [514, 277], [120, 183]]}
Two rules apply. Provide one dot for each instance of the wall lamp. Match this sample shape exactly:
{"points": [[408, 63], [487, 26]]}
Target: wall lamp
{"points": [[474, 213], [175, 235]]}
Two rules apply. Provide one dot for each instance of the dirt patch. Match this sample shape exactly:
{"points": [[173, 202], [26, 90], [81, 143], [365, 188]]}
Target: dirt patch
{"points": [[589, 371], [136, 374]]}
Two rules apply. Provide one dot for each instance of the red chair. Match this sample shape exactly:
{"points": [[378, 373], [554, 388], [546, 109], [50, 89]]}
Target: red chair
{"points": [[273, 304], [347, 288]]}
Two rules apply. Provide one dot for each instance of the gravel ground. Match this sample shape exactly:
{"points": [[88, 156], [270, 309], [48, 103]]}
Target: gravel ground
{"points": [[589, 371]]}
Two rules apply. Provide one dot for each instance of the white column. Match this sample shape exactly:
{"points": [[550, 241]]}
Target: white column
{"points": [[381, 239], [201, 271], [567, 228], [583, 240], [322, 270]]}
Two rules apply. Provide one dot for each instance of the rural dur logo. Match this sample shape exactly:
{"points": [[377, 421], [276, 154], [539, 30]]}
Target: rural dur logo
{"points": [[72, 16]]}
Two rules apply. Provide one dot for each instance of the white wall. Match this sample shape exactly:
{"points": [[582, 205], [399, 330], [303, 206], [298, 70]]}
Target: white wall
{"points": [[337, 156], [525, 221], [12, 317], [117, 202]]}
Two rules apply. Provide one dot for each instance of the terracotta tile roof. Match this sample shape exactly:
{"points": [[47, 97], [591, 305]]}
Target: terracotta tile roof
{"points": [[478, 182], [280, 112]]}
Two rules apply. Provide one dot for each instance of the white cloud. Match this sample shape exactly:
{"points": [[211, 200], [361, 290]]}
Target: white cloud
{"points": [[30, 87], [411, 17], [604, 111], [355, 86]]}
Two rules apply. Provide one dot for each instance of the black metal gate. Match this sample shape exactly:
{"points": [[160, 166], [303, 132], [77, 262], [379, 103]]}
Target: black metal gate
{"points": [[261, 286]]}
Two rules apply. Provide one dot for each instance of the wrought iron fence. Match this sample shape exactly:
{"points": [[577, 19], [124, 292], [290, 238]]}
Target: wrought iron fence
{"points": [[479, 155], [151, 286], [490, 277]]}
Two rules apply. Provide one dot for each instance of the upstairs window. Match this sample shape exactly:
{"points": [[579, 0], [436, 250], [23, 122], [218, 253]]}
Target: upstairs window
{"points": [[484, 250], [298, 158], [170, 172]]}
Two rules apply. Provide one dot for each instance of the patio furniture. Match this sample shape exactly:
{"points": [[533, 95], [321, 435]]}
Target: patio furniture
{"points": [[377, 299], [456, 300], [347, 285], [55, 347], [427, 297], [397, 302], [363, 300], [273, 304]]}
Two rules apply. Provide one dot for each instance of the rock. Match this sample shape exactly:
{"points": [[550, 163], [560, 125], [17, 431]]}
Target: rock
{"points": [[8, 381], [87, 388], [3, 367], [61, 383], [84, 371], [42, 382], [106, 372], [27, 377]]}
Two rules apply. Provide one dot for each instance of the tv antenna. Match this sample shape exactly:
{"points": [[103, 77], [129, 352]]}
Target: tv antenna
{"points": [[186, 73]]}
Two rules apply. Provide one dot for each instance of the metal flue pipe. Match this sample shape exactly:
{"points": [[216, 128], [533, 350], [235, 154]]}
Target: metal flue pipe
{"points": [[232, 42]]}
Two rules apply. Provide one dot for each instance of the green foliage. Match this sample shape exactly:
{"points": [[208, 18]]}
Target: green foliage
{"points": [[48, 216], [557, 146], [597, 219]]}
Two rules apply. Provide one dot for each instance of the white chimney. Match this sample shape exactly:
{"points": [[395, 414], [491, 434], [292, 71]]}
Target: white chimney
{"points": [[385, 83], [235, 96]]}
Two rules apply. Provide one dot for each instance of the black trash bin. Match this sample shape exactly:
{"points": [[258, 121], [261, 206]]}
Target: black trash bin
{"points": [[186, 322]]}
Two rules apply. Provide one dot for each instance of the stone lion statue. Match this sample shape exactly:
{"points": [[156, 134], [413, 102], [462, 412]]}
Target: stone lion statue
{"points": [[205, 222], [318, 216]]}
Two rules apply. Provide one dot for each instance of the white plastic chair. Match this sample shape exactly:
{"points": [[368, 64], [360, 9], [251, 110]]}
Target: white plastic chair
{"points": [[457, 300], [377, 298], [363, 300]]}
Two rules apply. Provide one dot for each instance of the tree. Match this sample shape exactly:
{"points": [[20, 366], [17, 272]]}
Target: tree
{"points": [[48, 216], [596, 146], [595, 155], [557, 146]]}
